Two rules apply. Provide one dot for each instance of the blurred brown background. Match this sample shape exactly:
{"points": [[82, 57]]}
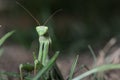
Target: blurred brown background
{"points": [[81, 22]]}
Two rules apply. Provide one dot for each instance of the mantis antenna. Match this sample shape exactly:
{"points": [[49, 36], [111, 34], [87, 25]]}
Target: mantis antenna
{"points": [[52, 16], [34, 17], [28, 13]]}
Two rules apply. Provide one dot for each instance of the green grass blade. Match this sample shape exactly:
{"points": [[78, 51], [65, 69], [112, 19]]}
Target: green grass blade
{"points": [[47, 67], [93, 54], [2, 40], [94, 57], [98, 69], [73, 67]]}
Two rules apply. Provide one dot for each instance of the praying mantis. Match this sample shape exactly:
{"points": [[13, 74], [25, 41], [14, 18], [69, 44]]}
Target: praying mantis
{"points": [[42, 62]]}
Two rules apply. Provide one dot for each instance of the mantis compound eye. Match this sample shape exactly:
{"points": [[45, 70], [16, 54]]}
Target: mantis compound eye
{"points": [[41, 30]]}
